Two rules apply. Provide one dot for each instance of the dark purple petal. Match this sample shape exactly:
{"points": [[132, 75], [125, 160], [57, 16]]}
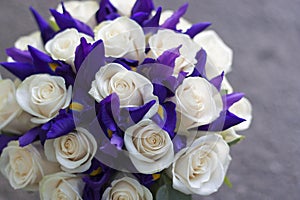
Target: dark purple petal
{"points": [[137, 114], [172, 22], [107, 110], [145, 6], [169, 57], [64, 70], [149, 61], [84, 78], [127, 63], [230, 99], [41, 61], [61, 125], [21, 70], [83, 50], [225, 121], [65, 21], [106, 11], [154, 21], [87, 71], [217, 81], [201, 58], [4, 140], [170, 118], [162, 92], [19, 55], [140, 17], [31, 136], [197, 28], [47, 32], [95, 185]]}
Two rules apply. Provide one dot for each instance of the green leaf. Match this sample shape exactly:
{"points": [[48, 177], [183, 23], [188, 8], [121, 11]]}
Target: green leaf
{"points": [[166, 192], [227, 182], [237, 140], [53, 25]]}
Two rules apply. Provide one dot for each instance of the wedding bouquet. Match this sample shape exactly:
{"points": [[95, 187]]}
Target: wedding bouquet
{"points": [[119, 100]]}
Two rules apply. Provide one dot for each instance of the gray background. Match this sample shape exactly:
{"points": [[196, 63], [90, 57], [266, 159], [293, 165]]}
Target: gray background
{"points": [[265, 36]]}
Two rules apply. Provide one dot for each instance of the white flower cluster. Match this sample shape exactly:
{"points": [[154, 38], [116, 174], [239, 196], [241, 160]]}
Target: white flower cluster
{"points": [[54, 168]]}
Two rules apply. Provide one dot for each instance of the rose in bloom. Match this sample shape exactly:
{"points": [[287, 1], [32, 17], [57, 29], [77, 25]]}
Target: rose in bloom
{"points": [[201, 168], [127, 188], [74, 152], [123, 7], [34, 39], [61, 186], [219, 54], [12, 117], [167, 39], [84, 11], [132, 88], [43, 96], [24, 167], [64, 44], [198, 102], [9, 108], [122, 37], [150, 147], [242, 109]]}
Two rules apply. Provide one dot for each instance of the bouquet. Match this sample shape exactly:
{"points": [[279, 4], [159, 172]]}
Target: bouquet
{"points": [[119, 100]]}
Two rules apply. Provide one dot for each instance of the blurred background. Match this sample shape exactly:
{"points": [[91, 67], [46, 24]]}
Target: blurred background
{"points": [[265, 37]]}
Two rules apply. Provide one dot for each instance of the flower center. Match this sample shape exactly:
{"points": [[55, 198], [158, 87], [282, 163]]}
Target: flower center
{"points": [[59, 195], [20, 165], [64, 44]]}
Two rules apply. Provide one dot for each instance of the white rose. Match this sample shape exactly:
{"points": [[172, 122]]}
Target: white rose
{"points": [[9, 108], [12, 117], [219, 54], [64, 44], [242, 109], [122, 37], [127, 188], [183, 24], [150, 147], [198, 102], [74, 152], [123, 7], [42, 96], [84, 11], [24, 167], [201, 168], [167, 39], [61, 186], [34, 39], [132, 88]]}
